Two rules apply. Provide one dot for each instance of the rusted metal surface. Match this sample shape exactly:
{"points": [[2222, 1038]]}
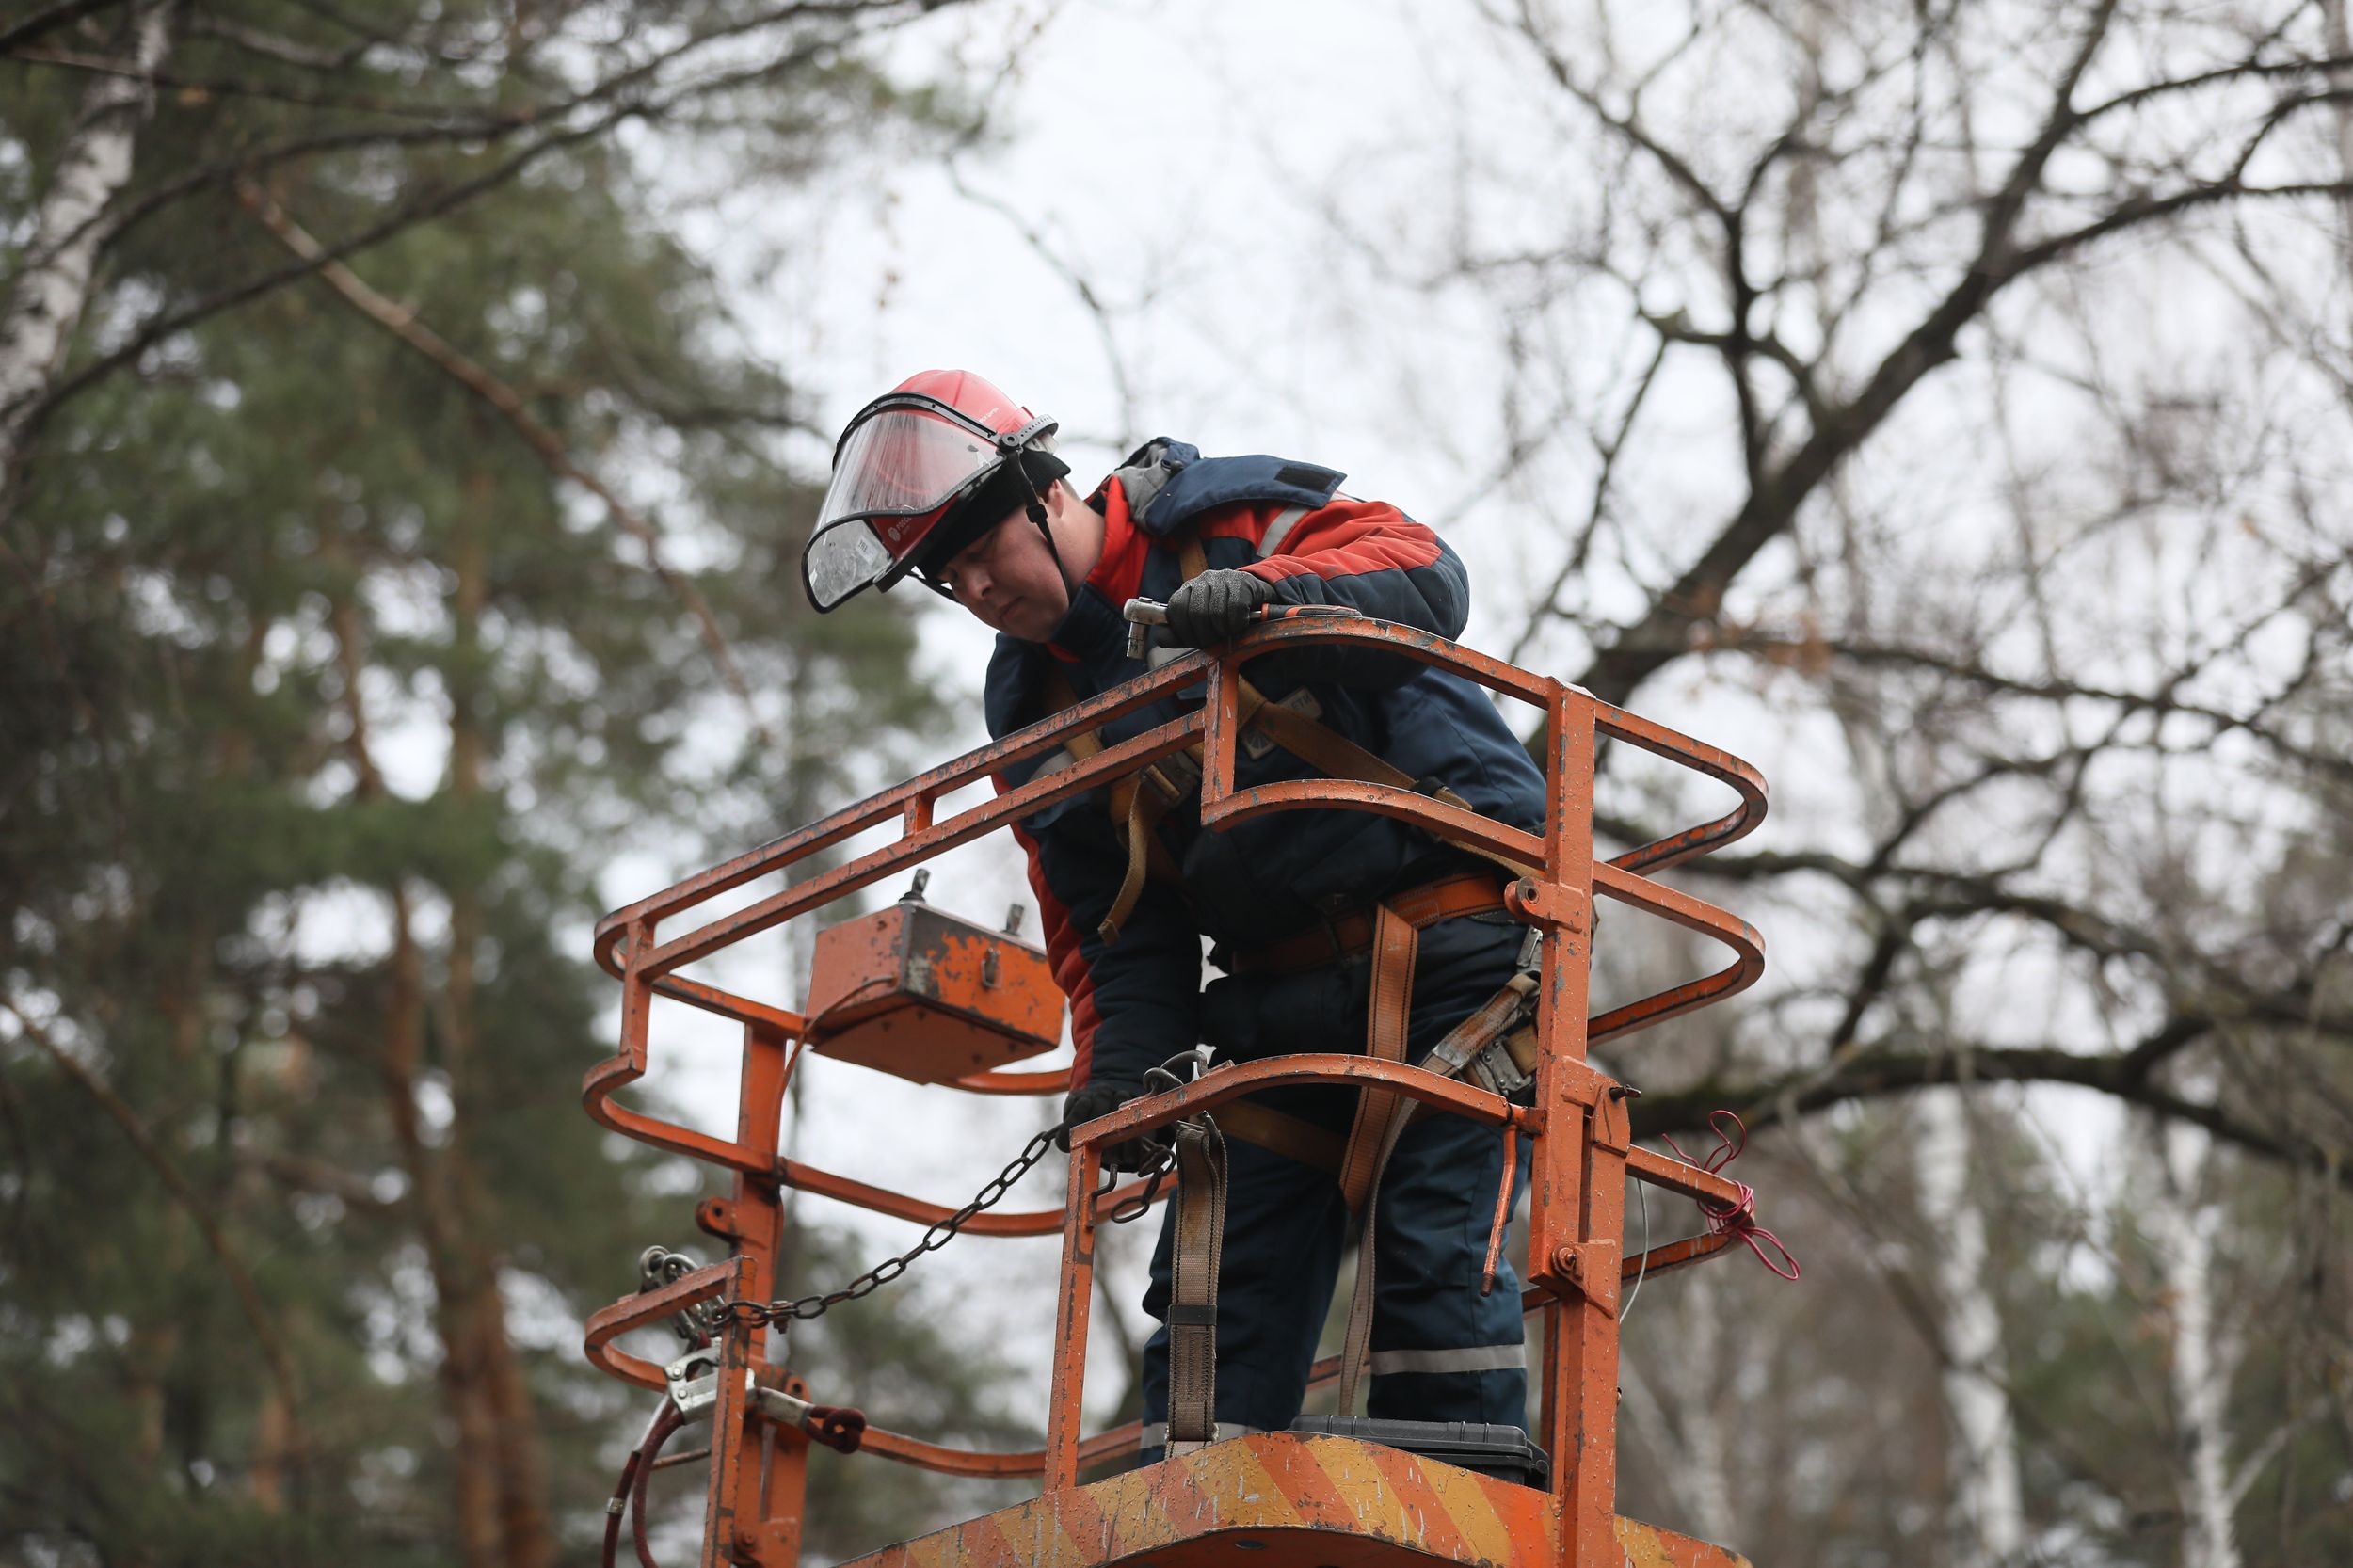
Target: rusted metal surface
{"points": [[926, 838], [733, 1520], [914, 1451], [1074, 1297], [924, 994], [1583, 1153], [1693, 915], [1675, 1255], [1574, 1184], [1665, 1170]]}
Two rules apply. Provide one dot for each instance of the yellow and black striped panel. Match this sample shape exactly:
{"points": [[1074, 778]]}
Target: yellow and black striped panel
{"points": [[1283, 1500]]}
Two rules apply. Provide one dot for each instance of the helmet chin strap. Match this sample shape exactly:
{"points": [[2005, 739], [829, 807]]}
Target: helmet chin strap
{"points": [[1036, 509]]}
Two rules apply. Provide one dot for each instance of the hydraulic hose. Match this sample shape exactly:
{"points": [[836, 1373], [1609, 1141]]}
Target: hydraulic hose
{"points": [[633, 1470], [666, 1421]]}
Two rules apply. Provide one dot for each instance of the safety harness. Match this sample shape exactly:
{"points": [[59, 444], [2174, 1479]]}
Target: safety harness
{"points": [[1495, 1047]]}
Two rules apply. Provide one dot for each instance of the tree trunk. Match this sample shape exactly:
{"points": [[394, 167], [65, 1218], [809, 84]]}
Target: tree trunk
{"points": [[1989, 1519], [465, 1385], [1685, 1426], [1987, 1522], [53, 290], [1700, 1377], [273, 1447], [2182, 1228], [526, 1533], [467, 1362]]}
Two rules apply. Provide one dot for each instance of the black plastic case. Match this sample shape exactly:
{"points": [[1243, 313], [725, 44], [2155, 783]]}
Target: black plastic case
{"points": [[1505, 1452]]}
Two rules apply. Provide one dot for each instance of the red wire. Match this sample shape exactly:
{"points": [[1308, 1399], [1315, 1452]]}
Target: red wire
{"points": [[1739, 1218]]}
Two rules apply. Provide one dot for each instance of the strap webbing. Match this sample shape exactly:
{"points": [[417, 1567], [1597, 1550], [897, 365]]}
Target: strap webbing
{"points": [[1327, 750], [1360, 1300], [1145, 808], [1200, 1239], [1289, 1136], [1381, 1118], [1393, 947]]}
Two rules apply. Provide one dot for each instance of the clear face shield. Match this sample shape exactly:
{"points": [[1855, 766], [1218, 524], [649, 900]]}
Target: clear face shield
{"points": [[903, 462]]}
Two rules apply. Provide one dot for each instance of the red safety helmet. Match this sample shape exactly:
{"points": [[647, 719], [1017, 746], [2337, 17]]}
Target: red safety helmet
{"points": [[903, 471]]}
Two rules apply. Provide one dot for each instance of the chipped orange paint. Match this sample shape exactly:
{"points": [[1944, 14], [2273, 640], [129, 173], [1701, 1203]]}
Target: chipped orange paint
{"points": [[1648, 1546]]}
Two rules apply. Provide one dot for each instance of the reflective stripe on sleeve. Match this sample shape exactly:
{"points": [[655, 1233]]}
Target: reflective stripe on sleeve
{"points": [[1279, 530]]}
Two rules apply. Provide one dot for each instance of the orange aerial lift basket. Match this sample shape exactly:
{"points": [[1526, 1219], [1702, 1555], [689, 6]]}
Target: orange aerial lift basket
{"points": [[941, 1002]]}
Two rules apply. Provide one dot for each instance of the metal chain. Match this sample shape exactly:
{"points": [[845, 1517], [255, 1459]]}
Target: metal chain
{"points": [[1161, 1162], [746, 1314]]}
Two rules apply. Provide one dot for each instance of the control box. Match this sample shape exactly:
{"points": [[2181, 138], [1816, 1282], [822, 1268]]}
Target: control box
{"points": [[928, 996]]}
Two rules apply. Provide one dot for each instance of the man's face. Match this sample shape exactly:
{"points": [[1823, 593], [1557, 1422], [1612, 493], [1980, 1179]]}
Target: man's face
{"points": [[1008, 579]]}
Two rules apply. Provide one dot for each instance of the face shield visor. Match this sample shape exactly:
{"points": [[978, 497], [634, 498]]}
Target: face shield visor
{"points": [[900, 466]]}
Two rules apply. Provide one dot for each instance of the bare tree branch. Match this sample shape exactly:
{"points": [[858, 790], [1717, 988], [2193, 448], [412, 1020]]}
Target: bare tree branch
{"points": [[1881, 1074], [615, 96]]}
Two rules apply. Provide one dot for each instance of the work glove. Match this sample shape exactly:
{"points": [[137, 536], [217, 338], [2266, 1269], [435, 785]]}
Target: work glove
{"points": [[1214, 606], [1096, 1099]]}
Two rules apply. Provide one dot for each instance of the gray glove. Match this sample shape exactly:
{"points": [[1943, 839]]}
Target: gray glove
{"points": [[1215, 606], [1092, 1100]]}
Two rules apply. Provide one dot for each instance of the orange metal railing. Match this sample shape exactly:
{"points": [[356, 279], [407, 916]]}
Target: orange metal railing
{"points": [[1578, 1122]]}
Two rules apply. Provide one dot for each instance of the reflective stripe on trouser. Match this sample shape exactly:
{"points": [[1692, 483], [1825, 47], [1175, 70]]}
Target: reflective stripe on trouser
{"points": [[1471, 1358], [1440, 1351]]}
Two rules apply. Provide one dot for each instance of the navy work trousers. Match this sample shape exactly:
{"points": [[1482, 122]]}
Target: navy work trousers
{"points": [[1440, 1351]]}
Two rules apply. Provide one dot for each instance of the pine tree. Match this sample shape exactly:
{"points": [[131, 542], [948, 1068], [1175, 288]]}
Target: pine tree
{"points": [[336, 677]]}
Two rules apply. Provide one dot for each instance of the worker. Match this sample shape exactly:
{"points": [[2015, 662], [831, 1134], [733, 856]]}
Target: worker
{"points": [[947, 479]]}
